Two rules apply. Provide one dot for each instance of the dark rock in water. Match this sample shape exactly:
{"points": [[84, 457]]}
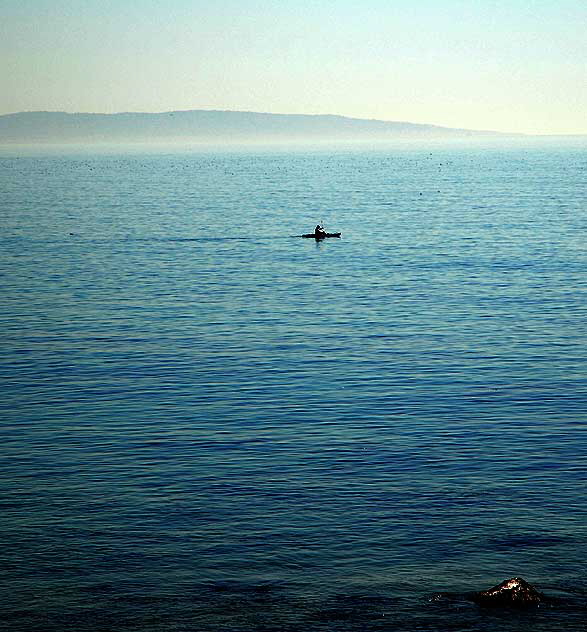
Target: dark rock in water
{"points": [[516, 592]]}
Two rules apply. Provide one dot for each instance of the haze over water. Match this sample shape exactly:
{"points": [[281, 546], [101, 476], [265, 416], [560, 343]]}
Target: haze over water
{"points": [[210, 424]]}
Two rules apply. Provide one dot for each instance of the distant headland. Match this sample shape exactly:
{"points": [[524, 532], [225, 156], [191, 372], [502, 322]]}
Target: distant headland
{"points": [[211, 126]]}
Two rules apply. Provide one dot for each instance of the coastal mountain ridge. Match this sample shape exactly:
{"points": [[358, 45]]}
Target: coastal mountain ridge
{"points": [[212, 126]]}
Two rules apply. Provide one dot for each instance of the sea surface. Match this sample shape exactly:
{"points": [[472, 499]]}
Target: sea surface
{"points": [[209, 424]]}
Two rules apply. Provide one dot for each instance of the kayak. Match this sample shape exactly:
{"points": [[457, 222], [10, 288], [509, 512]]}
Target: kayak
{"points": [[322, 236]]}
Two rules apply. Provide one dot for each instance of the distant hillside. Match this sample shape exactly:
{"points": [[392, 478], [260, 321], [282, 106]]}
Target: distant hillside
{"points": [[208, 126]]}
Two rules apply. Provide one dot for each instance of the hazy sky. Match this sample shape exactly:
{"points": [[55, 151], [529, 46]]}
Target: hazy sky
{"points": [[508, 65]]}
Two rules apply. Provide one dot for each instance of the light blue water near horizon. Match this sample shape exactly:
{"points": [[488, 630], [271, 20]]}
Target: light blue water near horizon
{"points": [[210, 424]]}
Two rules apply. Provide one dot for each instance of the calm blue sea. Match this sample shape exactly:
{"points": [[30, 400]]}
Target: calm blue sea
{"points": [[211, 425]]}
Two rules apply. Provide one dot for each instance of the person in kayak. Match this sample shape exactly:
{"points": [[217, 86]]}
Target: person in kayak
{"points": [[319, 231]]}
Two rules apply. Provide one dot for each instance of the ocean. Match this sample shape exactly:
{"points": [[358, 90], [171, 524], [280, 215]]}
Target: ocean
{"points": [[210, 424]]}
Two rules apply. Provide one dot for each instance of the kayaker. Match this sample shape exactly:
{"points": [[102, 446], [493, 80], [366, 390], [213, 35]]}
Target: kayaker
{"points": [[319, 231]]}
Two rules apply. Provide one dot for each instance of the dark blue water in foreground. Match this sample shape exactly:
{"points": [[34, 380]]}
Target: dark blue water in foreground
{"points": [[210, 425]]}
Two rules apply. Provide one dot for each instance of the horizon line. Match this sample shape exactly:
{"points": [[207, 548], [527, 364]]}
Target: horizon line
{"points": [[290, 114], [315, 115]]}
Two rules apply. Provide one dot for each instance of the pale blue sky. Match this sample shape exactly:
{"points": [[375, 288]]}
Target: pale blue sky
{"points": [[518, 66]]}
